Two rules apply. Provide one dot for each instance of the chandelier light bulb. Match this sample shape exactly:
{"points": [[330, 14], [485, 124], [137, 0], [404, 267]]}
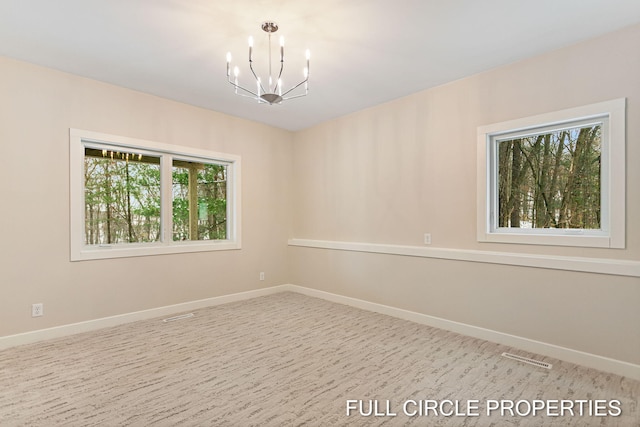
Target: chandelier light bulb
{"points": [[250, 41], [308, 55], [236, 71], [281, 48]]}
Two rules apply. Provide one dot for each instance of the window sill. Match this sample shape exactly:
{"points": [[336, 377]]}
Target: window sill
{"points": [[587, 241], [118, 251]]}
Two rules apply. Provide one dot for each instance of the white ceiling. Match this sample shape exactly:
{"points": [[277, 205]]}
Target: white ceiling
{"points": [[363, 52]]}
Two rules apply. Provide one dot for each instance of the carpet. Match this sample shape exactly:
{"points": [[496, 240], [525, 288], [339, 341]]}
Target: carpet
{"points": [[292, 360]]}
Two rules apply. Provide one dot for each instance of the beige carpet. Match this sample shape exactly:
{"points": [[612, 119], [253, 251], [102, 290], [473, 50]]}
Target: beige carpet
{"points": [[285, 360]]}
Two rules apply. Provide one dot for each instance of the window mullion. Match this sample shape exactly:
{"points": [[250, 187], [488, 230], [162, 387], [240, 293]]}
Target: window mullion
{"points": [[166, 182]]}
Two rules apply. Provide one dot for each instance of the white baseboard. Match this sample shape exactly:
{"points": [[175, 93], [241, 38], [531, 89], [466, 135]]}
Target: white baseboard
{"points": [[105, 322], [602, 363], [574, 356]]}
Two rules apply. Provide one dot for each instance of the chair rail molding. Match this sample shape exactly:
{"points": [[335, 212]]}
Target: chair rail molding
{"points": [[555, 262]]}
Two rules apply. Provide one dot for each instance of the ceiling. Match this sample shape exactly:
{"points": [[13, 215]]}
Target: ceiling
{"points": [[363, 52]]}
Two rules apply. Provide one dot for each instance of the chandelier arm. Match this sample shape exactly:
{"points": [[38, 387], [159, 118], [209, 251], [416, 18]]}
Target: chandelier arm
{"points": [[294, 88], [295, 96], [256, 77], [254, 95], [260, 100], [275, 88]]}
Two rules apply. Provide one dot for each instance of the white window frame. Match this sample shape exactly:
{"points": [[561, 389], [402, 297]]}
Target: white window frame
{"points": [[612, 180], [78, 139]]}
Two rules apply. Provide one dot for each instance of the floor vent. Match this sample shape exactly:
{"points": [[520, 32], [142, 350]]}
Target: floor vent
{"points": [[180, 317], [527, 360]]}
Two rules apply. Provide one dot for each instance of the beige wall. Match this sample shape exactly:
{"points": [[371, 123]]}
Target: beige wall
{"points": [[391, 173], [37, 108]]}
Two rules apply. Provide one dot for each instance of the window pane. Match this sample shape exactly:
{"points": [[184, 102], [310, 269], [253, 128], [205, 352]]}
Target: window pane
{"points": [[550, 180], [199, 201], [122, 197]]}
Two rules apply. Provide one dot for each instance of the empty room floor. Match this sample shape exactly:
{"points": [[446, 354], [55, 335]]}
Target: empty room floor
{"points": [[292, 360]]}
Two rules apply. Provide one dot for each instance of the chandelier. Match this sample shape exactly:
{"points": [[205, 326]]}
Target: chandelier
{"points": [[271, 92]]}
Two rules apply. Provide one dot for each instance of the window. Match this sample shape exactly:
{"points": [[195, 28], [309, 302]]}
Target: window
{"points": [[554, 179], [131, 197]]}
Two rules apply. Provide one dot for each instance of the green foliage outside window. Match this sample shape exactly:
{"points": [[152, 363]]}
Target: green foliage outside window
{"points": [[551, 180], [123, 199], [209, 217]]}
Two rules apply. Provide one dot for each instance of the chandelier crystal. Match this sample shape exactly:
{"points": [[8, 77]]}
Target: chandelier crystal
{"points": [[271, 91]]}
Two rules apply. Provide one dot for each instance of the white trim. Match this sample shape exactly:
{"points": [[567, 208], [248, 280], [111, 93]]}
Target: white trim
{"points": [[574, 356], [594, 361], [612, 234], [79, 251], [105, 322], [588, 265]]}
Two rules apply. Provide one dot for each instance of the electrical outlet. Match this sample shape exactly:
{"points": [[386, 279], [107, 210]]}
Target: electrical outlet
{"points": [[262, 275], [37, 310], [427, 238]]}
